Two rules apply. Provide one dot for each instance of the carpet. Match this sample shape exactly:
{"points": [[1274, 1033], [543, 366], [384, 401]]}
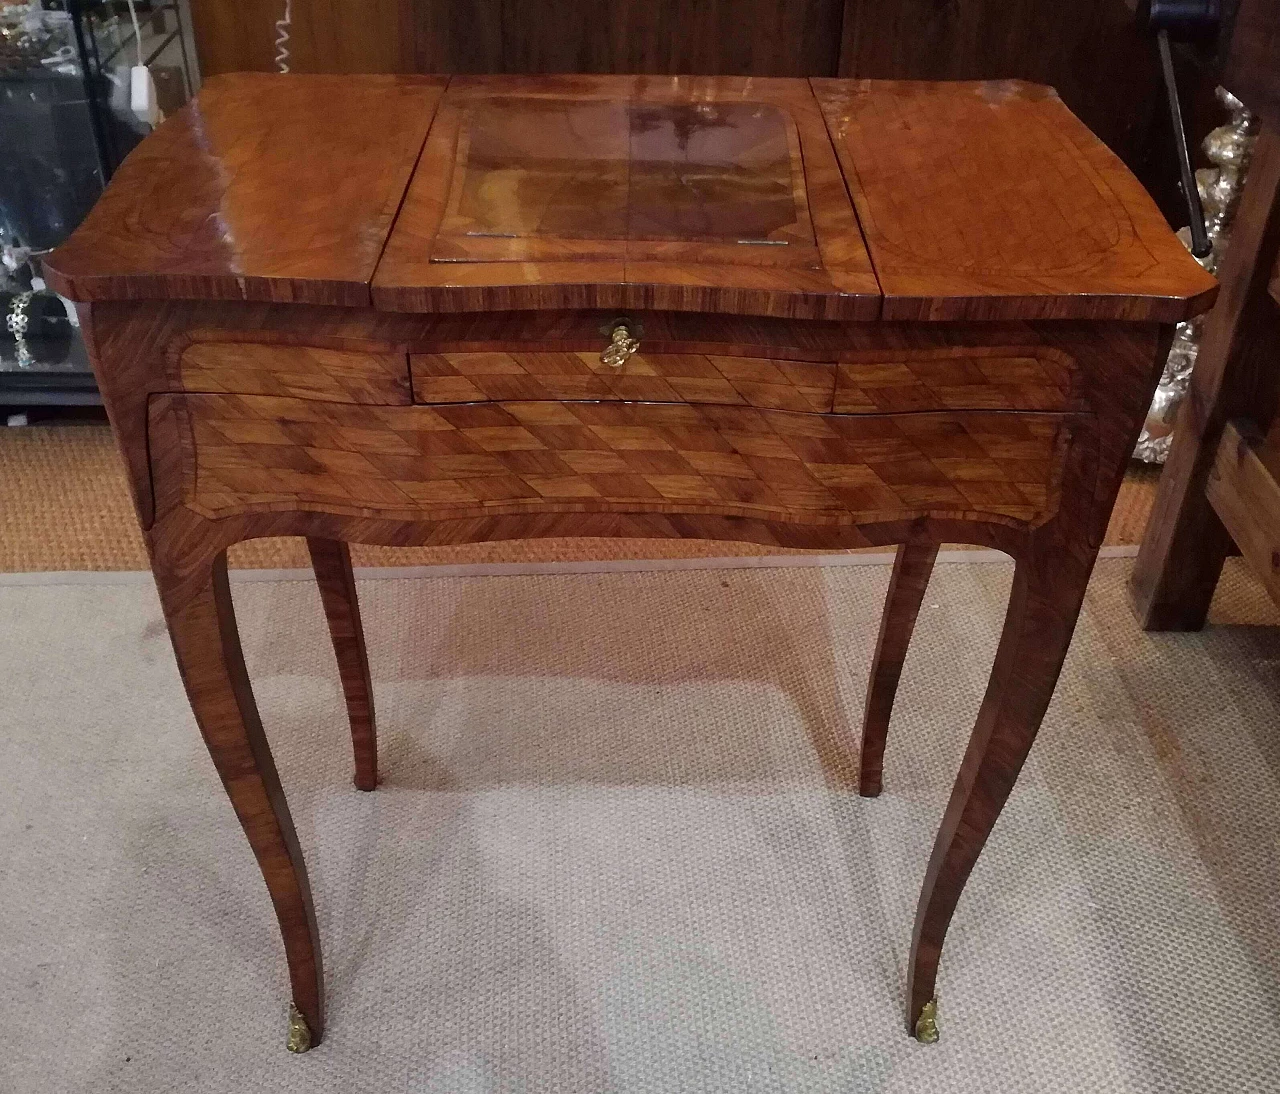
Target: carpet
{"points": [[64, 505], [607, 855]]}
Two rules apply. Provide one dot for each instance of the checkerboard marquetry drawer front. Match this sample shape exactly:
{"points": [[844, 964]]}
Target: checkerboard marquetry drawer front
{"points": [[305, 372], [954, 378], [722, 379], [960, 378], [259, 453]]}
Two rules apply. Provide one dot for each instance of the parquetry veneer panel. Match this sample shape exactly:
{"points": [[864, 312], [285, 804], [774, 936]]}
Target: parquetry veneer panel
{"points": [[305, 372], [1033, 378], [257, 453], [646, 377]]}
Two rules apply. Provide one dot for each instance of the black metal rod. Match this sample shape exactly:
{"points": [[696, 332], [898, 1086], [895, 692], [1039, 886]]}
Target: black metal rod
{"points": [[91, 99], [1200, 245], [178, 32], [124, 44], [164, 44], [115, 157], [187, 85]]}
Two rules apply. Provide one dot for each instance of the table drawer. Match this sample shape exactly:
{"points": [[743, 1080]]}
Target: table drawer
{"points": [[306, 372], [246, 453], [646, 377], [954, 378]]}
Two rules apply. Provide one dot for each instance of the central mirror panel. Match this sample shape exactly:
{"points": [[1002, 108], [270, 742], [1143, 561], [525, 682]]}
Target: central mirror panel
{"points": [[606, 177]]}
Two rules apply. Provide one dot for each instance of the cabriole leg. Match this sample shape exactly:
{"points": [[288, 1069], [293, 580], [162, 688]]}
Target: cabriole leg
{"points": [[911, 569], [202, 625], [331, 560], [1041, 618]]}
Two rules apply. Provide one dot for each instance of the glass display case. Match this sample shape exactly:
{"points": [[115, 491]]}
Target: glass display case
{"points": [[65, 124]]}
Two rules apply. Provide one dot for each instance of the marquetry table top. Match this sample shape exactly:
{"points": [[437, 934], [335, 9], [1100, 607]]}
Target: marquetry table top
{"points": [[822, 199]]}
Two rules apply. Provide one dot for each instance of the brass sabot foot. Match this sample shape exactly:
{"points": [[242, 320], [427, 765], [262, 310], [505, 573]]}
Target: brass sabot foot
{"points": [[299, 1039], [927, 1023]]}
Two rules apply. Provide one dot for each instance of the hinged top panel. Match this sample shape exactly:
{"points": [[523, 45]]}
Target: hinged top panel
{"points": [[993, 201], [263, 187], [708, 194]]}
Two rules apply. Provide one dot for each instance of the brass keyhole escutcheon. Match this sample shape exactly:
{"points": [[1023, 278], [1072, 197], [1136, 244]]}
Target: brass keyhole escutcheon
{"points": [[620, 348]]}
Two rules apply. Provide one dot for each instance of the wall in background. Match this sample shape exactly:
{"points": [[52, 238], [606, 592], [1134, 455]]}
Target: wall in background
{"points": [[1088, 49], [755, 37]]}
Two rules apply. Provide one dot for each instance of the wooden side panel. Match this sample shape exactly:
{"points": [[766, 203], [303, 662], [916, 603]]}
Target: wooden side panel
{"points": [[438, 259], [1244, 490], [260, 454], [457, 36], [304, 372], [1254, 59], [646, 377], [324, 36], [714, 37]]}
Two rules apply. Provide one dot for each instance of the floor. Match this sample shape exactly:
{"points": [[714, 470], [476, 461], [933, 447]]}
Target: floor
{"points": [[615, 850]]}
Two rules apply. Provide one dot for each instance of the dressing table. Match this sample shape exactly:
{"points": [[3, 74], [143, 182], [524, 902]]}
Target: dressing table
{"points": [[820, 314]]}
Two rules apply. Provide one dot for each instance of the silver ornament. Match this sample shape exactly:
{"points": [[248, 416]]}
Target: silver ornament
{"points": [[1228, 148]]}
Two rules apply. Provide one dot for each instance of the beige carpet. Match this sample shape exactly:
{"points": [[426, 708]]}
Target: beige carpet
{"points": [[64, 505], [606, 857]]}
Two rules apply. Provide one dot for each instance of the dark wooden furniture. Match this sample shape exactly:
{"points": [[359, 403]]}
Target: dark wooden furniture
{"points": [[1221, 484], [625, 306]]}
